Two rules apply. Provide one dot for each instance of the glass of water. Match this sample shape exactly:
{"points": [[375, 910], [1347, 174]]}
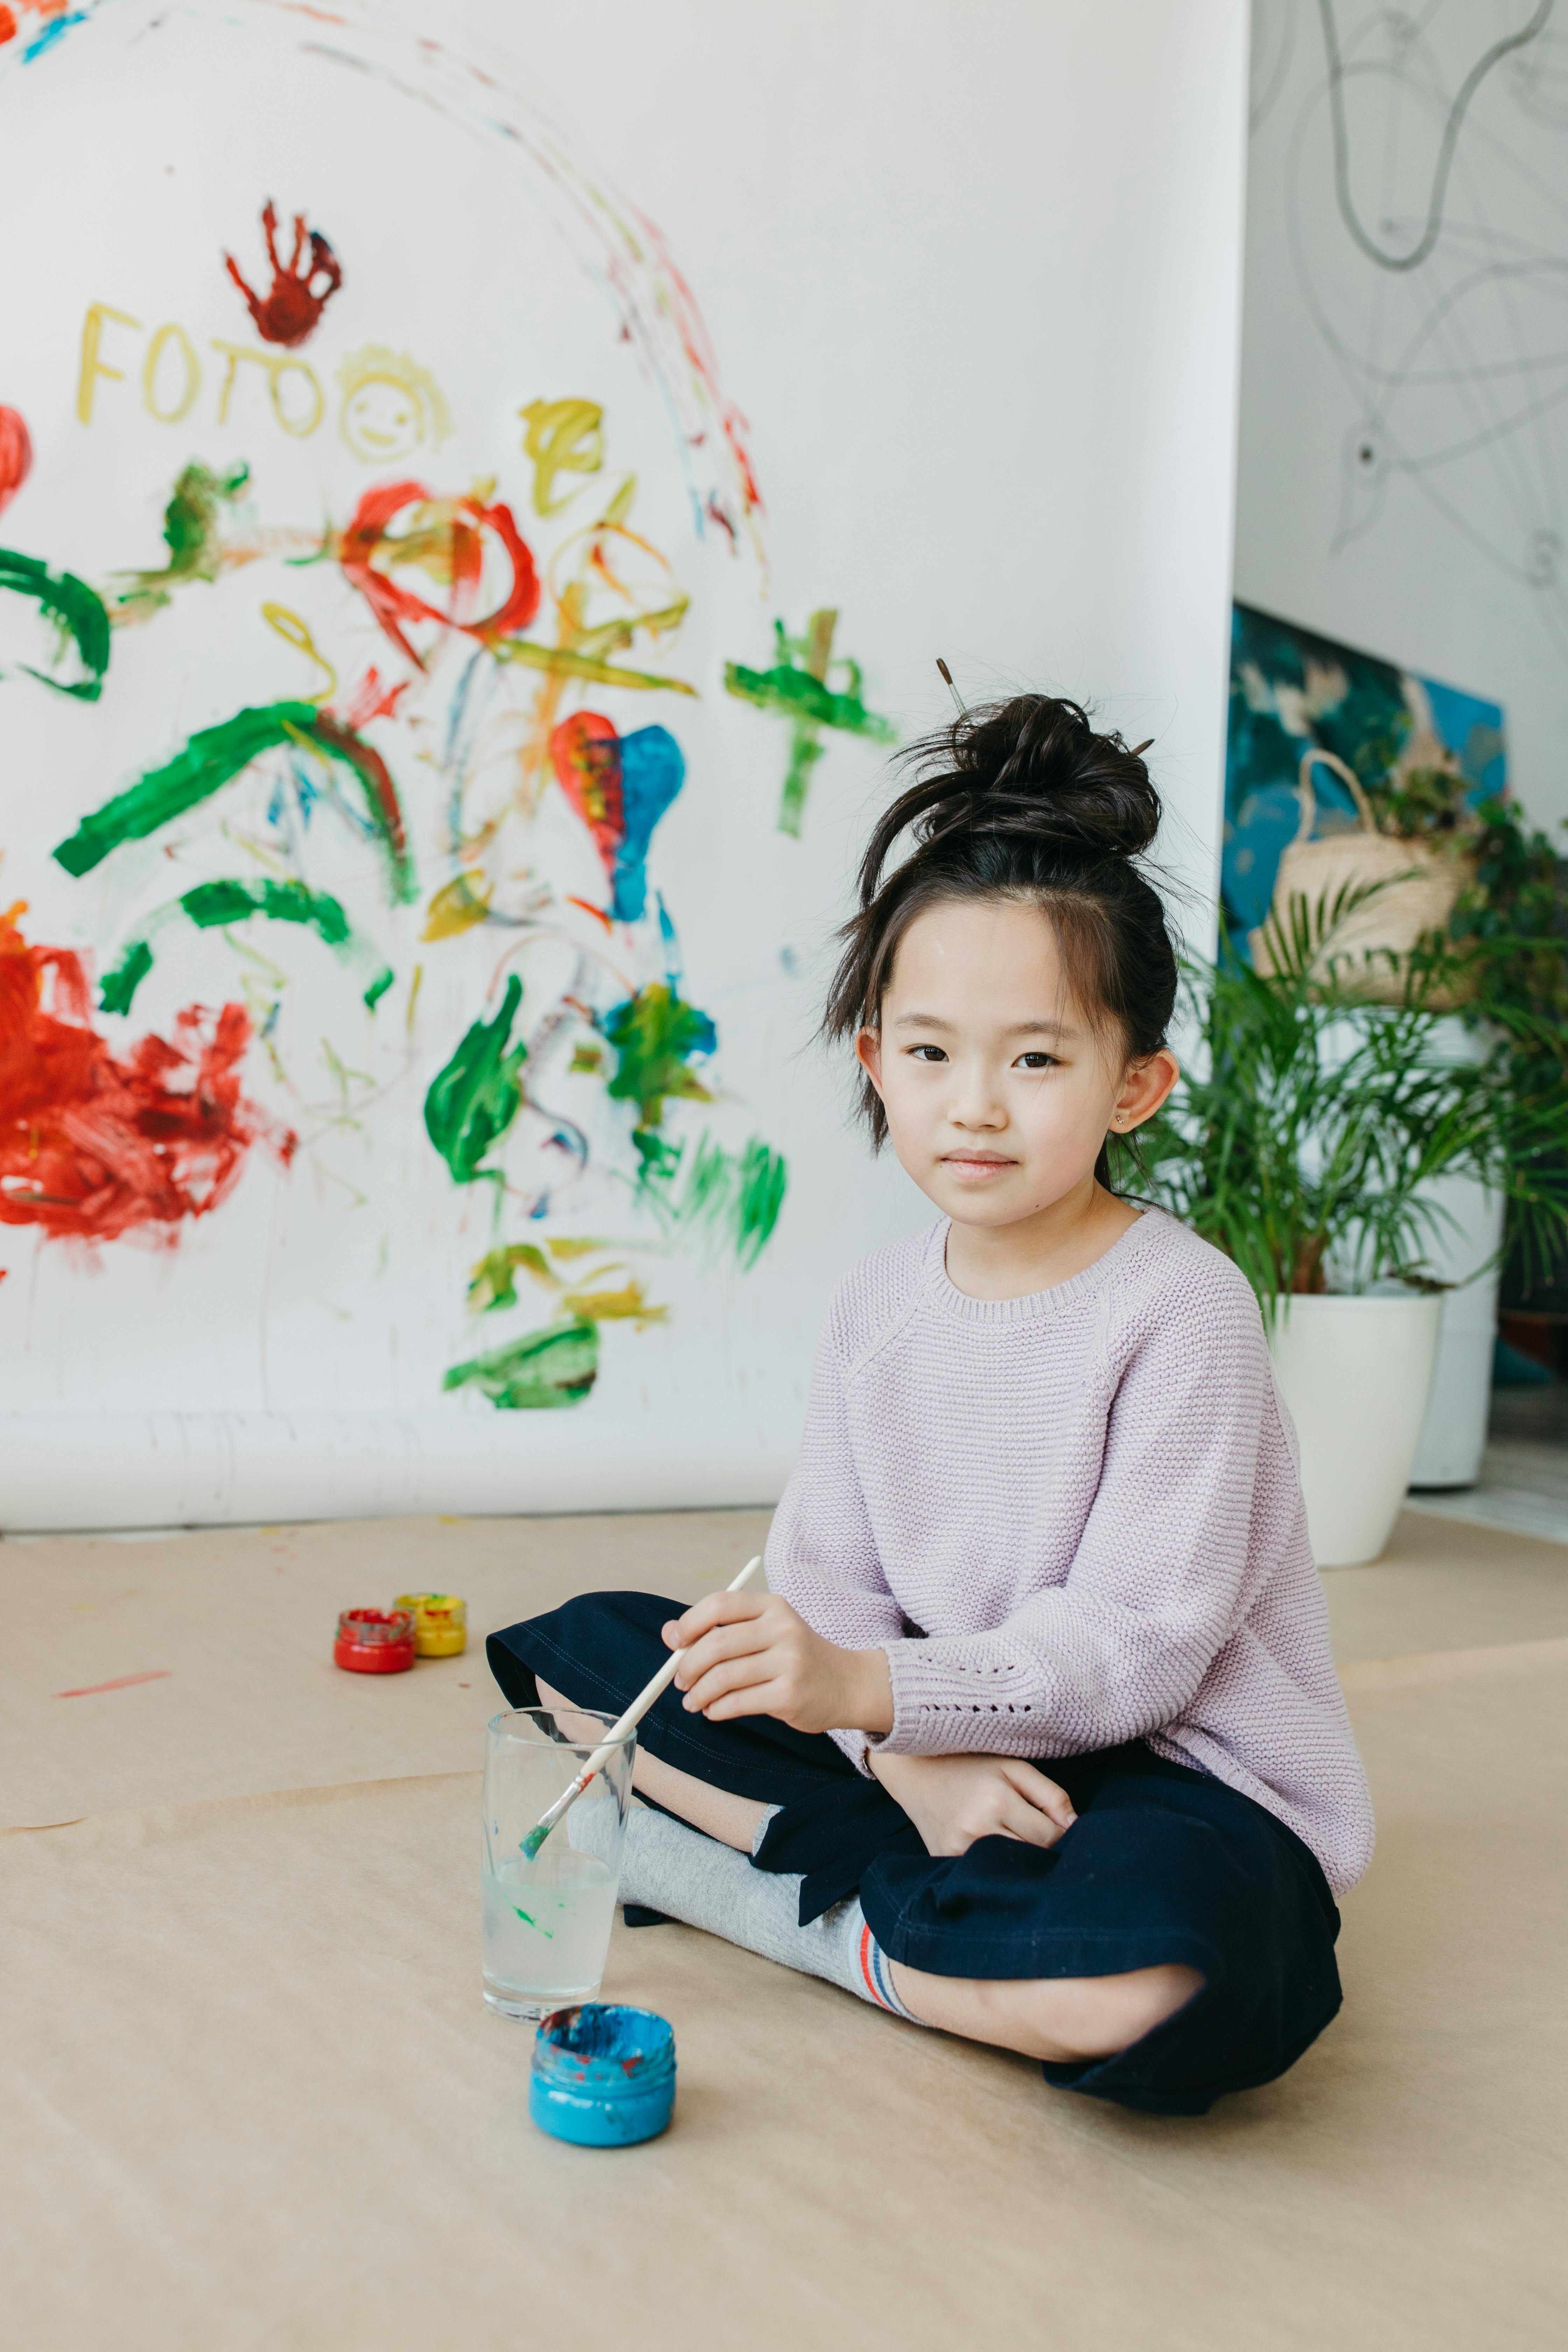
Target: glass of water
{"points": [[547, 1921]]}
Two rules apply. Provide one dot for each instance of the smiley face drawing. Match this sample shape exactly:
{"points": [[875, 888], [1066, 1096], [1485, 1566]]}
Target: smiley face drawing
{"points": [[391, 406]]}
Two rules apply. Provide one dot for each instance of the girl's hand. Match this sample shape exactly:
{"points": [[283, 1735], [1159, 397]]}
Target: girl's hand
{"points": [[953, 1799], [752, 1653]]}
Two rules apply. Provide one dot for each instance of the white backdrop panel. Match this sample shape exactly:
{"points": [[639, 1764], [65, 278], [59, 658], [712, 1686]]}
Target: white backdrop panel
{"points": [[970, 277]]}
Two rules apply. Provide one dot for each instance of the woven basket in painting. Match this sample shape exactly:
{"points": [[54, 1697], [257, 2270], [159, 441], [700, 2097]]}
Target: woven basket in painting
{"points": [[1415, 885]]}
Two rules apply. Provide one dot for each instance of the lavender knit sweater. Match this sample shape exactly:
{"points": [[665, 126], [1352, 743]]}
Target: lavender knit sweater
{"points": [[1074, 1520]]}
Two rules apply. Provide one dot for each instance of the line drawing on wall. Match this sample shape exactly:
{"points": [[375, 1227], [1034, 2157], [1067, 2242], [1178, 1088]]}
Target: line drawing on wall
{"points": [[1436, 270]]}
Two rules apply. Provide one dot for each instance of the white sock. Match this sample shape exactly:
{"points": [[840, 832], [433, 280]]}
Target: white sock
{"points": [[670, 1868]]}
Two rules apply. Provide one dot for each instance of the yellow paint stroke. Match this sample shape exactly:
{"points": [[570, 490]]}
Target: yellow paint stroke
{"points": [[294, 632], [415, 984], [155, 350], [273, 973], [346, 1079], [559, 662], [628, 1305], [570, 1246], [594, 563], [390, 405], [91, 366], [457, 906], [277, 364], [563, 437]]}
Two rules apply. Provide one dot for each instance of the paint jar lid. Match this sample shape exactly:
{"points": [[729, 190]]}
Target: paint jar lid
{"points": [[603, 2074], [367, 1629], [444, 1605], [440, 1622]]}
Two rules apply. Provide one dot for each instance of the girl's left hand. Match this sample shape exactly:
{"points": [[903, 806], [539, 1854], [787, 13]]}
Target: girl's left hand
{"points": [[752, 1653]]}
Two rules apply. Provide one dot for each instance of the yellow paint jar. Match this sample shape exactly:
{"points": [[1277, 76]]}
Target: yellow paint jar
{"points": [[440, 1622]]}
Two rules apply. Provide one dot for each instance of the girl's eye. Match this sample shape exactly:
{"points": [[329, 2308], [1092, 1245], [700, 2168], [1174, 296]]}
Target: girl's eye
{"points": [[1035, 1062], [927, 1054]]}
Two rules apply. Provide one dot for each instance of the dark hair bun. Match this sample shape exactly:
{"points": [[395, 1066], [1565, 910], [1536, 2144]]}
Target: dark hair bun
{"points": [[1031, 766]]}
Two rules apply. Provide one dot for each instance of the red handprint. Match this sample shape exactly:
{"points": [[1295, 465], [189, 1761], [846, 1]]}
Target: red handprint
{"points": [[289, 314]]}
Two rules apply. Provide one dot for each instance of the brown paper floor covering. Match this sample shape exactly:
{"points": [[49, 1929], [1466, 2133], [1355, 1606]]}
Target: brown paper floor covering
{"points": [[252, 2098]]}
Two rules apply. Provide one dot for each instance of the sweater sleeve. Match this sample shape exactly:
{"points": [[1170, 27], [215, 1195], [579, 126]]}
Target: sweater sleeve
{"points": [[1157, 1583], [821, 1556]]}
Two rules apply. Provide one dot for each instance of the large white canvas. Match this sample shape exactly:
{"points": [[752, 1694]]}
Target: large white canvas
{"points": [[959, 283]]}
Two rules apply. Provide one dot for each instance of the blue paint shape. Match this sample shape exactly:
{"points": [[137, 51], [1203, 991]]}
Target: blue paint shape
{"points": [[54, 31], [671, 938], [653, 768], [603, 2075]]}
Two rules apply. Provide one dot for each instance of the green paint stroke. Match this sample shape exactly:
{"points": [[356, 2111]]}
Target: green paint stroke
{"points": [[541, 1373], [77, 611], [212, 906], [191, 534], [473, 1101], [214, 756], [118, 988], [728, 1197], [796, 689], [529, 1921], [653, 1035]]}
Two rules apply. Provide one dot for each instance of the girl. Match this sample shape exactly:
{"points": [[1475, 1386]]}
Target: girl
{"points": [[1036, 1736]]}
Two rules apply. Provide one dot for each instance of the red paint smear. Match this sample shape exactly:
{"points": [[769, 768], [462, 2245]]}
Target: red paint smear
{"points": [[597, 912], [367, 539], [15, 447], [371, 699], [704, 361], [93, 1147], [585, 751], [120, 1682], [291, 310], [372, 767]]}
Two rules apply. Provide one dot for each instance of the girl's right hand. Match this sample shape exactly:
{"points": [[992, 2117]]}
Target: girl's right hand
{"points": [[953, 1799]]}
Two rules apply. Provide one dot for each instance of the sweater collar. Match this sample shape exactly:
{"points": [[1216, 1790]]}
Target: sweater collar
{"points": [[1035, 1305]]}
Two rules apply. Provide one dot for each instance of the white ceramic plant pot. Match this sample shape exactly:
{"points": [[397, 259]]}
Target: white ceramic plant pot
{"points": [[1355, 1375], [1455, 1433]]}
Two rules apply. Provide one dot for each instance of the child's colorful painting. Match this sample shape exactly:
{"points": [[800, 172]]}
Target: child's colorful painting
{"points": [[378, 533], [1289, 689]]}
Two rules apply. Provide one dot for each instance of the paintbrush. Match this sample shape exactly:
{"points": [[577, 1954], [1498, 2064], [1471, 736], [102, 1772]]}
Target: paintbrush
{"points": [[947, 681], [628, 1722]]}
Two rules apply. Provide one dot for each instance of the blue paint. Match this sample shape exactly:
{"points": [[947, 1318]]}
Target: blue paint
{"points": [[653, 768], [667, 933], [55, 30], [604, 2075]]}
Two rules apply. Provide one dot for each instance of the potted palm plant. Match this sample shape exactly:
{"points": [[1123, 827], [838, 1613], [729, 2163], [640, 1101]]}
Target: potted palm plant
{"points": [[1454, 905], [1308, 1140]]}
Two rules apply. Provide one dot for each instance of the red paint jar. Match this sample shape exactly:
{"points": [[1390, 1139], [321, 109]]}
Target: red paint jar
{"points": [[375, 1641]]}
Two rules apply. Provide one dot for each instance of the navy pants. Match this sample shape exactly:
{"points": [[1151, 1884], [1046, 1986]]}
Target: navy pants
{"points": [[1162, 1863]]}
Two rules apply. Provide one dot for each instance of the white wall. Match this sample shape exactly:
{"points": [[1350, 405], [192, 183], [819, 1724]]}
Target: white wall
{"points": [[1404, 440], [972, 274]]}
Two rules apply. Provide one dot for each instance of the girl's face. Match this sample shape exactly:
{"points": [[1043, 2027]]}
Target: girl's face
{"points": [[998, 1091]]}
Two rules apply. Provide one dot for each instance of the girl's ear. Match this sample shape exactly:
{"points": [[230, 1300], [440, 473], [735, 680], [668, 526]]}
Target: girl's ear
{"points": [[868, 1053], [1144, 1087]]}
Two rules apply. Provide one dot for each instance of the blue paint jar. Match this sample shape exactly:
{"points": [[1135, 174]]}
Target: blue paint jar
{"points": [[604, 2075]]}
